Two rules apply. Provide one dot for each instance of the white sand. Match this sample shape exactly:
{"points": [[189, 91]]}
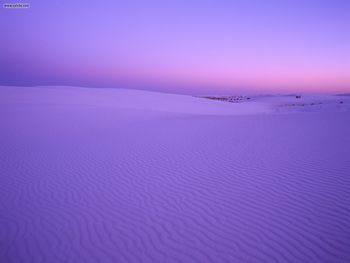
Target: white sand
{"points": [[104, 175]]}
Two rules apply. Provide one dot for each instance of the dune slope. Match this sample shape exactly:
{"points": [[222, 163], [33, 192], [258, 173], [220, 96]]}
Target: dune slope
{"points": [[113, 176]]}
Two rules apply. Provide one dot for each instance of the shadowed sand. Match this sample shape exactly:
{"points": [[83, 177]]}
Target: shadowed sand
{"points": [[103, 175]]}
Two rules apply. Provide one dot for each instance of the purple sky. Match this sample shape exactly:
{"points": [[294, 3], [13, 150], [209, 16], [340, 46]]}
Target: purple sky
{"points": [[179, 46]]}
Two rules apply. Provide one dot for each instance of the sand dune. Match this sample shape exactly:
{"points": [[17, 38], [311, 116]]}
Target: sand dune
{"points": [[102, 175]]}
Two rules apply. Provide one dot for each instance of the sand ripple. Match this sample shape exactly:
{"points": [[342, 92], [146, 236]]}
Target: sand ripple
{"points": [[80, 184]]}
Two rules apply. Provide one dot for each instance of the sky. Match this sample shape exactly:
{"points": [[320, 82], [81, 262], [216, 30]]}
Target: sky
{"points": [[181, 46]]}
